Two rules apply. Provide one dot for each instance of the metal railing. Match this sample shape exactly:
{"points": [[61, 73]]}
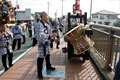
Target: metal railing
{"points": [[107, 44]]}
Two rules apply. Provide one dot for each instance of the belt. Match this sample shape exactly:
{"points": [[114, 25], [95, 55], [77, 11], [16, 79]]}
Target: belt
{"points": [[4, 46], [16, 33]]}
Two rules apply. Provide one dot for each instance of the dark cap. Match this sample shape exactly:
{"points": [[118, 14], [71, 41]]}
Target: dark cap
{"points": [[37, 15], [18, 22]]}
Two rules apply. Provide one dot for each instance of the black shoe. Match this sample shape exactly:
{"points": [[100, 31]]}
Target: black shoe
{"points": [[40, 76], [51, 68], [6, 69], [13, 49], [23, 43], [10, 66], [18, 49]]}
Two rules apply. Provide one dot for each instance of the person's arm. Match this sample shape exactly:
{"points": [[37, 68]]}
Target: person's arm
{"points": [[3, 33], [57, 24], [9, 34], [21, 31], [52, 34], [13, 29], [25, 28], [31, 24]]}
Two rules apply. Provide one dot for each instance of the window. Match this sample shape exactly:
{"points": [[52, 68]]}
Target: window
{"points": [[112, 17], [94, 16], [94, 21], [107, 23], [99, 22], [101, 17]]}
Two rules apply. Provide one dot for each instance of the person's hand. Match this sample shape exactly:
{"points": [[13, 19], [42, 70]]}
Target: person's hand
{"points": [[56, 40], [3, 33], [7, 32], [25, 30], [53, 35]]}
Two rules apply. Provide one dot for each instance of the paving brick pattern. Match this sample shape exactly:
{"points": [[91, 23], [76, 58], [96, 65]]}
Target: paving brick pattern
{"points": [[26, 69]]}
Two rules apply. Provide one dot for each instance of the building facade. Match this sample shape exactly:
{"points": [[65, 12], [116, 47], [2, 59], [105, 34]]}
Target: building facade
{"points": [[105, 17], [24, 15]]}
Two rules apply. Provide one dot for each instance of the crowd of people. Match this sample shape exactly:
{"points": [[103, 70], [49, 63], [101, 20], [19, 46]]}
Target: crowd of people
{"points": [[43, 30]]}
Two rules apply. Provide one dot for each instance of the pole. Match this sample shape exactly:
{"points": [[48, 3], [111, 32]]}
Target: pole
{"points": [[56, 15], [48, 7], [17, 9], [91, 11], [62, 7], [76, 5]]}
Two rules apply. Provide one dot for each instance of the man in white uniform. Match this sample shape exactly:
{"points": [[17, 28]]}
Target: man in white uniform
{"points": [[64, 24], [5, 46], [55, 28], [17, 34], [23, 26], [43, 36], [35, 23]]}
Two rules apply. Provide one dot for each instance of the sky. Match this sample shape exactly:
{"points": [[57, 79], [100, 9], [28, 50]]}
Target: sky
{"points": [[56, 6]]}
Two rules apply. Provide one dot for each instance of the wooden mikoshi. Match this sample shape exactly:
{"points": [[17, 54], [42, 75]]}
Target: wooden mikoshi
{"points": [[79, 39], [11, 19]]}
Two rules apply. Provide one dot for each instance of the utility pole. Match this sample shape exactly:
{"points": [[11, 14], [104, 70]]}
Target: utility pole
{"points": [[62, 6], [48, 7], [91, 11], [56, 15], [17, 9]]}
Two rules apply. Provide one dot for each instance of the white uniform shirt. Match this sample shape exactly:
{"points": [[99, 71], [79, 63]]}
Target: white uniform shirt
{"points": [[42, 36], [5, 41], [17, 32]]}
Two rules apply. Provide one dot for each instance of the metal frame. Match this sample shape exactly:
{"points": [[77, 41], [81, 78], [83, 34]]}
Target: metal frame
{"points": [[70, 47]]}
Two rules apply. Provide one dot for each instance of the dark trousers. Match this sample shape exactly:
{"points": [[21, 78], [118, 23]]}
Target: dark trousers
{"points": [[5, 16], [86, 55], [4, 59], [30, 33], [14, 43], [34, 41], [24, 39], [40, 64], [57, 44]]}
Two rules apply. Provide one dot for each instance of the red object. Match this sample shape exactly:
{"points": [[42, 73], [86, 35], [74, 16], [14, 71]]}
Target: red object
{"points": [[56, 40], [80, 11], [74, 9], [78, 4], [18, 7], [78, 7]]}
